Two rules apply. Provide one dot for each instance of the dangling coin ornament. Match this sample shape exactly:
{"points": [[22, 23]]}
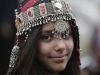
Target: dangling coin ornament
{"points": [[61, 29]]}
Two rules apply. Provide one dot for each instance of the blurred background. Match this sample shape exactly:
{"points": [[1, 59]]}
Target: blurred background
{"points": [[87, 13], [7, 32], [87, 18]]}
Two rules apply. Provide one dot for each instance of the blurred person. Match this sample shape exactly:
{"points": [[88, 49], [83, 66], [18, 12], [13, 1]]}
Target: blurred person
{"points": [[96, 43], [93, 61], [95, 47], [85, 72], [47, 39]]}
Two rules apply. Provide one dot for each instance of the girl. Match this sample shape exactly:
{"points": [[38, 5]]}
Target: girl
{"points": [[47, 41]]}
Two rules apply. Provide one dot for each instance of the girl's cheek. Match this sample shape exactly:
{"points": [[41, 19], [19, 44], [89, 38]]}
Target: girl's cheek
{"points": [[44, 47]]}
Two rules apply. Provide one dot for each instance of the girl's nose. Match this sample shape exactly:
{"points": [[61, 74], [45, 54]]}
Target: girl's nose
{"points": [[60, 45]]}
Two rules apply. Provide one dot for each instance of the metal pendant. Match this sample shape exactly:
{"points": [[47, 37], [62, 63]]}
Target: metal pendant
{"points": [[61, 29]]}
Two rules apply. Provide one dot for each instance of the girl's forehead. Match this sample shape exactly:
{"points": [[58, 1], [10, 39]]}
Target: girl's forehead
{"points": [[53, 25]]}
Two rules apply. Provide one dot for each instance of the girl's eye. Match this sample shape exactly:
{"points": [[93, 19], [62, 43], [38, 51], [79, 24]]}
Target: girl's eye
{"points": [[46, 38]]}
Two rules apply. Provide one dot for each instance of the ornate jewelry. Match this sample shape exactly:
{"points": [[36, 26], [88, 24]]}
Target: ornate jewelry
{"points": [[14, 55], [61, 29], [13, 58]]}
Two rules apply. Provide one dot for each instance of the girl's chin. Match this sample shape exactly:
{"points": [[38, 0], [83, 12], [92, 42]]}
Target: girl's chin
{"points": [[59, 68]]}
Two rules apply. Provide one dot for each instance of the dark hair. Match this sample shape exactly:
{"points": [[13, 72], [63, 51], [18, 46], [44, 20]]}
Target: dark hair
{"points": [[27, 63]]}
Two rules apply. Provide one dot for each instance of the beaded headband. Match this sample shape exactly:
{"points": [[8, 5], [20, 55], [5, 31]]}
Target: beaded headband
{"points": [[41, 14], [54, 10]]}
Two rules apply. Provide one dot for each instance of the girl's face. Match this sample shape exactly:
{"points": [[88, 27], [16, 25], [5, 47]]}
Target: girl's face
{"points": [[54, 53]]}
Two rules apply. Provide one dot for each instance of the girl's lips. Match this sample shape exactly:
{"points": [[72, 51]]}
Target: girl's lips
{"points": [[59, 58]]}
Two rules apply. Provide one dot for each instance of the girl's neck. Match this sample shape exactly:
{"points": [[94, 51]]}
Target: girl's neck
{"points": [[51, 73]]}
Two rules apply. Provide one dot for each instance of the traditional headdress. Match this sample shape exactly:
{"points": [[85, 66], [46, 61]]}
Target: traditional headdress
{"points": [[32, 13]]}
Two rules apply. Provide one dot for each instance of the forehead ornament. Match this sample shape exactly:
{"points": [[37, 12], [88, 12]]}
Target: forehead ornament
{"points": [[61, 29]]}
